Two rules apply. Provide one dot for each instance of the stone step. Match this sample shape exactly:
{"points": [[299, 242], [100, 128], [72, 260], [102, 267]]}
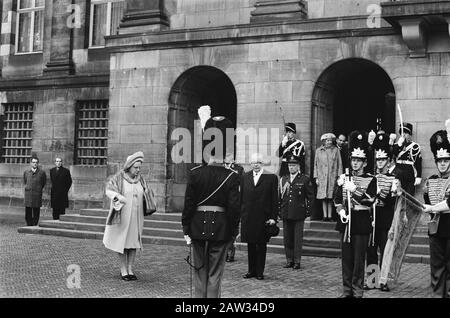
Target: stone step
{"points": [[416, 249], [417, 258], [175, 217], [421, 239]]}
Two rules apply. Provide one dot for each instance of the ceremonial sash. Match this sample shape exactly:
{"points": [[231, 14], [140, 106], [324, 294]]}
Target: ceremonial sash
{"points": [[291, 145]]}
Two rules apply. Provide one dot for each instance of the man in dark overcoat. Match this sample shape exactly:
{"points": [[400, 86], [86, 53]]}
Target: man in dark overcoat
{"points": [[61, 183], [34, 181], [259, 205]]}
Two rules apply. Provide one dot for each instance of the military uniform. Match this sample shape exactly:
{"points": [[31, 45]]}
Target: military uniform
{"points": [[211, 217], [355, 233], [231, 248], [437, 190], [296, 196], [384, 208], [293, 147], [408, 164]]}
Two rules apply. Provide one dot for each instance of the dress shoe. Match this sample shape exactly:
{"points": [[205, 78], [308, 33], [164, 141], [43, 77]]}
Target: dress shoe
{"points": [[288, 265], [296, 266], [345, 296], [249, 275], [125, 277], [365, 287], [384, 287], [230, 259], [132, 277], [260, 277]]}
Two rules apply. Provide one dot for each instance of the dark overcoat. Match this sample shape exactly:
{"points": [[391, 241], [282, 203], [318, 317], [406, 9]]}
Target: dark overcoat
{"points": [[61, 183], [258, 204], [34, 185]]}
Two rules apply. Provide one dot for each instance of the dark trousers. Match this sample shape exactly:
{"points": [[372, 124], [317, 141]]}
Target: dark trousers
{"points": [[293, 240], [32, 215], [256, 258], [209, 262], [380, 243], [57, 212], [353, 259], [440, 266]]}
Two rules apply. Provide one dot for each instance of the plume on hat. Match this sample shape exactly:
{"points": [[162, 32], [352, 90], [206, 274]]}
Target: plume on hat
{"points": [[204, 113]]}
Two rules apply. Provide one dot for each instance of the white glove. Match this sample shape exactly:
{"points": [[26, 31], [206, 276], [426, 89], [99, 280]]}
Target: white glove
{"points": [[371, 137], [342, 213], [349, 186], [418, 181], [188, 240], [317, 181], [428, 208], [285, 140], [373, 223], [271, 221], [400, 141], [392, 139]]}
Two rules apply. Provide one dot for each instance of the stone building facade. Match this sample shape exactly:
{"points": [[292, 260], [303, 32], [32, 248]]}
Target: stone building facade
{"points": [[325, 65]]}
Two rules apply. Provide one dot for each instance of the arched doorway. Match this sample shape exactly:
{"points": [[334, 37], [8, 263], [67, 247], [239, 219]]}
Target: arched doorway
{"points": [[352, 94], [200, 85]]}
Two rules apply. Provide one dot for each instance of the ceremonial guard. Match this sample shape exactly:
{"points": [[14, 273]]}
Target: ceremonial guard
{"points": [[353, 199], [291, 146], [296, 196], [210, 218], [437, 191], [384, 208], [408, 158], [230, 164]]}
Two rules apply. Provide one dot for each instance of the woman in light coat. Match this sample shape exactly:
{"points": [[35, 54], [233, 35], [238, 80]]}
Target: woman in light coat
{"points": [[327, 169], [131, 199]]}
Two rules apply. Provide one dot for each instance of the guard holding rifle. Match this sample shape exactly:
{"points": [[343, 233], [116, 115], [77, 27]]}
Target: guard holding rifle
{"points": [[353, 199], [408, 167], [291, 146], [210, 218], [384, 208], [438, 190]]}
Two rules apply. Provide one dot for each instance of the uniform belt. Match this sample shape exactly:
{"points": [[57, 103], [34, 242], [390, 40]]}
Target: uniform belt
{"points": [[284, 160], [405, 162], [360, 208], [210, 208]]}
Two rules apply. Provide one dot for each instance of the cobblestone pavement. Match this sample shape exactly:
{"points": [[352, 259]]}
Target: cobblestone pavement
{"points": [[37, 266]]}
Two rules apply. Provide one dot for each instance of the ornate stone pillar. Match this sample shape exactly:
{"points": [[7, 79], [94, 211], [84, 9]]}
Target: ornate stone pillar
{"points": [[144, 16], [61, 40], [279, 10]]}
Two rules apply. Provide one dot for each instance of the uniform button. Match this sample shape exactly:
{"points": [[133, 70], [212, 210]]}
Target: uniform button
{"points": [[204, 221], [290, 200], [203, 233], [212, 222], [212, 233]]}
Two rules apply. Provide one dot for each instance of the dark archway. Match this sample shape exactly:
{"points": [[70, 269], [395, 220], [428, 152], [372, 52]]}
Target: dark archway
{"points": [[352, 94], [200, 85]]}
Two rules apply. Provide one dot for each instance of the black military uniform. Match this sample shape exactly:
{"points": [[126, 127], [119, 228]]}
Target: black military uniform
{"points": [[296, 196], [438, 190], [211, 218], [356, 229], [293, 147], [408, 159], [231, 251], [384, 209]]}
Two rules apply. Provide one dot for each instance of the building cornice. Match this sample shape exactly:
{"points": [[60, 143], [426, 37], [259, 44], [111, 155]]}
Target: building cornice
{"points": [[309, 29], [45, 82]]}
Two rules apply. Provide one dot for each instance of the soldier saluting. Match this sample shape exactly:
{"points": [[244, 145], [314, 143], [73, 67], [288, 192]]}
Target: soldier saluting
{"points": [[291, 146], [353, 199], [210, 218], [408, 167], [436, 192]]}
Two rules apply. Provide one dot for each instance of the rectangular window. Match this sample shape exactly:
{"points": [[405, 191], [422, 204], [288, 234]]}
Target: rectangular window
{"points": [[17, 126], [104, 20], [91, 132], [30, 26]]}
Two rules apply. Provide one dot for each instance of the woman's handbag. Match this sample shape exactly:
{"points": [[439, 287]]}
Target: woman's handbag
{"points": [[151, 203], [271, 230]]}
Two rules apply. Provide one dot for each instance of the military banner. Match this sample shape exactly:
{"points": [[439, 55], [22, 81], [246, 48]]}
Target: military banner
{"points": [[406, 216]]}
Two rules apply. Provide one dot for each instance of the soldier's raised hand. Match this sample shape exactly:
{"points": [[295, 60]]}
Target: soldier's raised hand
{"points": [[188, 240]]}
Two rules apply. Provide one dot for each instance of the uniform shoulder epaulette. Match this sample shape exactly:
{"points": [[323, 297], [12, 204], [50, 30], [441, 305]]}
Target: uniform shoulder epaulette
{"points": [[196, 167], [415, 146]]}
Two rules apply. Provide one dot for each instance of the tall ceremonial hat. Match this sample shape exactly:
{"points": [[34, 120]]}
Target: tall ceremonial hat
{"points": [[381, 146], [407, 128], [358, 145], [440, 145], [290, 127], [218, 127]]}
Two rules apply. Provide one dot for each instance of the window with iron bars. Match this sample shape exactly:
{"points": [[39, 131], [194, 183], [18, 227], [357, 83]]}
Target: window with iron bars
{"points": [[91, 135], [17, 128]]}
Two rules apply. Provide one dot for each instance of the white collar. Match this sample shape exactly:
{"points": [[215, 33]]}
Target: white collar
{"points": [[259, 173]]}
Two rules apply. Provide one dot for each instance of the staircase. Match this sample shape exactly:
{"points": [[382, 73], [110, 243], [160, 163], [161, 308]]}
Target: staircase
{"points": [[320, 238]]}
